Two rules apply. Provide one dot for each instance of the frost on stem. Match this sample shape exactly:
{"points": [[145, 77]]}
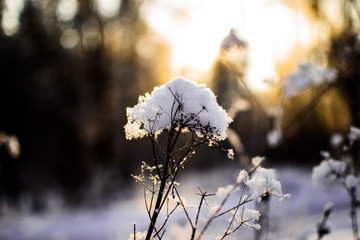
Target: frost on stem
{"points": [[263, 182], [327, 173], [248, 218], [180, 101]]}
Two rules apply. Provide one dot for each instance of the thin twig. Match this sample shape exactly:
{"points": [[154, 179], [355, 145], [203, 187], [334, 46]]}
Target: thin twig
{"points": [[322, 229], [155, 158], [217, 211], [168, 216], [233, 208], [233, 216], [184, 207]]}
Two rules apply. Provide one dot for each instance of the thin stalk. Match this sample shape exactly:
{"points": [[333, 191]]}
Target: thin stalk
{"points": [[155, 158], [233, 217], [263, 207], [157, 208], [167, 217], [184, 208], [353, 213], [197, 215]]}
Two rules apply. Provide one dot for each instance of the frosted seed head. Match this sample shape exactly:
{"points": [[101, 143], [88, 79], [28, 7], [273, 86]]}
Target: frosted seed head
{"points": [[180, 102], [327, 173]]}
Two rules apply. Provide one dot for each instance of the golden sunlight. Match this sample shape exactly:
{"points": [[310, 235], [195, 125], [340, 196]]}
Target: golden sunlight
{"points": [[195, 29]]}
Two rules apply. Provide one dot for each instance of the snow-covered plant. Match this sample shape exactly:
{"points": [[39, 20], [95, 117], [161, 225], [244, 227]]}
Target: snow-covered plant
{"points": [[181, 104], [328, 172], [307, 76], [263, 182], [179, 107], [341, 170], [182, 107], [253, 186]]}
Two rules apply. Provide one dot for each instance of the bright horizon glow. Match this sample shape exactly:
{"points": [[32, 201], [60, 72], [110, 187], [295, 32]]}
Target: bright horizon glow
{"points": [[196, 29]]}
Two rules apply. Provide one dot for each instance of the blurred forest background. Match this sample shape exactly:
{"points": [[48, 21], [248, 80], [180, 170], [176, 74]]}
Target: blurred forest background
{"points": [[68, 73]]}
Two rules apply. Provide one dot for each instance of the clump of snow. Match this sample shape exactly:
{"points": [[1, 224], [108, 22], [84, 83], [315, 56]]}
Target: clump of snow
{"points": [[327, 173], [264, 182], [351, 181], [179, 102], [274, 137], [325, 154], [328, 207], [256, 161], [307, 76], [354, 134], [230, 154], [243, 176], [336, 140]]}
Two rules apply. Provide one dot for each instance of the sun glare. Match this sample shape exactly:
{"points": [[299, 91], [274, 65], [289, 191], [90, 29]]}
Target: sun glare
{"points": [[195, 29], [10, 18]]}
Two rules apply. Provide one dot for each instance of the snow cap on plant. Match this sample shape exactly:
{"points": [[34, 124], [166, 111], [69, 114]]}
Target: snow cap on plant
{"points": [[307, 76], [230, 154], [242, 177], [351, 181], [263, 182], [180, 102], [336, 140], [274, 137], [327, 173], [256, 161], [354, 134]]}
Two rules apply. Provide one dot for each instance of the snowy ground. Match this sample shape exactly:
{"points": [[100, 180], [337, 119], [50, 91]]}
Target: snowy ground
{"points": [[293, 218]]}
